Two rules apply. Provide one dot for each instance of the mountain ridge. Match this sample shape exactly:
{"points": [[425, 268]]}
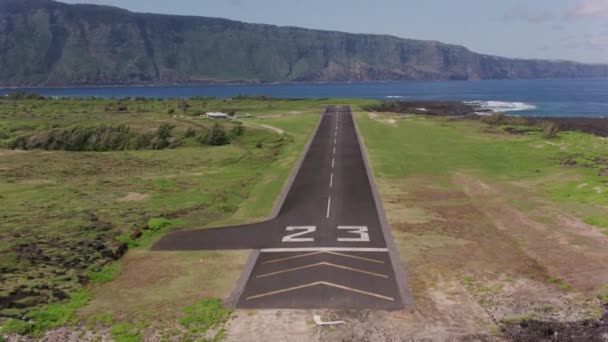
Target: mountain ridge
{"points": [[48, 43]]}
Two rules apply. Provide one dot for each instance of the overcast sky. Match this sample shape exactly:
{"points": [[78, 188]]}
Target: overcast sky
{"points": [[552, 29]]}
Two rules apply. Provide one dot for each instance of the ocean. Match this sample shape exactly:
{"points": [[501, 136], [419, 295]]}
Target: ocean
{"points": [[547, 97]]}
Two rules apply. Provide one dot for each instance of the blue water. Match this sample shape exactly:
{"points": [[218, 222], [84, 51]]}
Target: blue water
{"points": [[570, 97]]}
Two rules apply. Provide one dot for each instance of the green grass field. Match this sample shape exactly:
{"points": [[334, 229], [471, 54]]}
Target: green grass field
{"points": [[66, 214], [566, 169]]}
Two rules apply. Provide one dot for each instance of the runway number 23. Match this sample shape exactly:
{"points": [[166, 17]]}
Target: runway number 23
{"points": [[356, 234]]}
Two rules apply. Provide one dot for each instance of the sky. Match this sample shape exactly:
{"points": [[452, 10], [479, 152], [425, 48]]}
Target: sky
{"points": [[548, 29]]}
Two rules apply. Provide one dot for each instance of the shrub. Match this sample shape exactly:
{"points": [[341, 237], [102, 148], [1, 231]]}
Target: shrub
{"points": [[96, 138], [238, 130], [156, 224], [550, 129], [183, 105], [4, 135], [190, 133], [493, 119], [217, 136], [202, 138]]}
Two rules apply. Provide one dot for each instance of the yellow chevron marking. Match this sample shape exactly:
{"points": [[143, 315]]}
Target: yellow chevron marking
{"points": [[317, 253], [346, 288], [322, 264]]}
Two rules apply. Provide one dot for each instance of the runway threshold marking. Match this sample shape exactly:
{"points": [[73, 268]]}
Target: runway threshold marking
{"points": [[321, 252], [325, 283], [323, 263], [323, 249]]}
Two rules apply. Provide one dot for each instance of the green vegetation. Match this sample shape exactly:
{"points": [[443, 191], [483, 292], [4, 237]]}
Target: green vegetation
{"points": [[67, 216], [53, 315], [204, 315], [125, 332], [598, 221], [443, 147], [104, 274], [99, 138], [100, 320], [560, 283]]}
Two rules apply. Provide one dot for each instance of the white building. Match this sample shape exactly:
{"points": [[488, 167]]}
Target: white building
{"points": [[216, 115]]}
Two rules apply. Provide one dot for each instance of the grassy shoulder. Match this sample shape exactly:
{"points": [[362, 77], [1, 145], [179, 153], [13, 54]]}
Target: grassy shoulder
{"points": [[512, 220], [69, 214]]}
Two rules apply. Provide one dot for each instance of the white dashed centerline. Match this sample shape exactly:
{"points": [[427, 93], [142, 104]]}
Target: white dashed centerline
{"points": [[331, 180], [333, 160], [328, 206], [334, 149]]}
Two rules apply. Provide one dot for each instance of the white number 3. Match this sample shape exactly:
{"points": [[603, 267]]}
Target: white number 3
{"points": [[360, 230]]}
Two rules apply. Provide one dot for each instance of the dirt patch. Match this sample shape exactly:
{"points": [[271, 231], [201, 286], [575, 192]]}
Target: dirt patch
{"points": [[10, 152], [133, 197], [567, 247], [382, 119], [478, 266], [274, 129], [272, 325], [157, 285]]}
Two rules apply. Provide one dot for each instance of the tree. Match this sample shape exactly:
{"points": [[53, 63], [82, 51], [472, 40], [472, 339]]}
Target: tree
{"points": [[218, 136], [183, 106]]}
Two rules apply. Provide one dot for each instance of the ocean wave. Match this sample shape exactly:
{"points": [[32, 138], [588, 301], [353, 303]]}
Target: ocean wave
{"points": [[502, 106], [395, 97]]}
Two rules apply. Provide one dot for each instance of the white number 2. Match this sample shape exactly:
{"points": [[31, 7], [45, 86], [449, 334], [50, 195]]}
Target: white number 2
{"points": [[360, 230], [304, 230]]}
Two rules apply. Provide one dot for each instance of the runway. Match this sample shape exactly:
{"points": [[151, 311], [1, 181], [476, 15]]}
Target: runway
{"points": [[326, 247]]}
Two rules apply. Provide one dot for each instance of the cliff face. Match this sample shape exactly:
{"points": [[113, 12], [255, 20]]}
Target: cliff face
{"points": [[43, 42]]}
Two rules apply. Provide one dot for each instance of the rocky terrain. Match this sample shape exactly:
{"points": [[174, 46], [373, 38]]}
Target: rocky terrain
{"points": [[47, 43]]}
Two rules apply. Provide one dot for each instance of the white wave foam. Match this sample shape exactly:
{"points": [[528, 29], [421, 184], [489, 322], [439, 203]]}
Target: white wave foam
{"points": [[501, 106], [395, 97]]}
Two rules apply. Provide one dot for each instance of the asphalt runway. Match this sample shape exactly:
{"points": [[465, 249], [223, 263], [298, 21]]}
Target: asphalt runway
{"points": [[326, 247]]}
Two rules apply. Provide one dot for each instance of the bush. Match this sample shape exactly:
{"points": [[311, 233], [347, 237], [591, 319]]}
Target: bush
{"points": [[502, 119], [238, 130], [550, 129], [156, 224], [217, 136], [4, 135], [190, 133], [96, 138]]}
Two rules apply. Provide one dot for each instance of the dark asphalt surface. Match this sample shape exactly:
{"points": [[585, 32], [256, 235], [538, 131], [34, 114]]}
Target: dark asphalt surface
{"points": [[330, 205]]}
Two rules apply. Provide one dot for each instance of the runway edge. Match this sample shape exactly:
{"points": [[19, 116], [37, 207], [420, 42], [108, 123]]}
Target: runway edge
{"points": [[238, 289], [401, 276]]}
